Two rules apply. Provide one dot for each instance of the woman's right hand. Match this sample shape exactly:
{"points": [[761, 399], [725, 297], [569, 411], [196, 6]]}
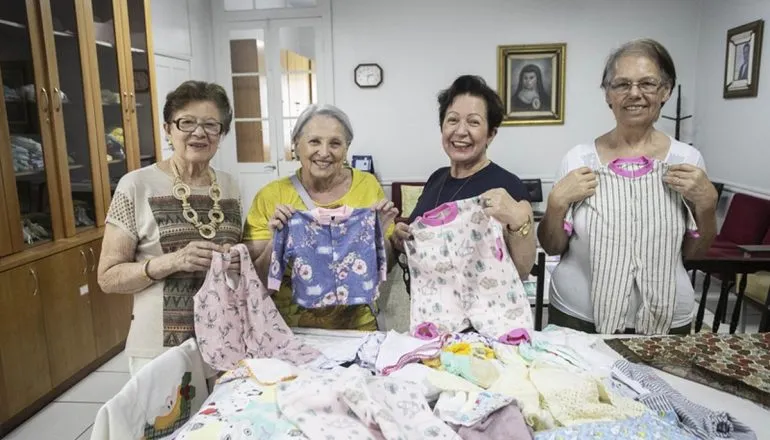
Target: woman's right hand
{"points": [[401, 232], [280, 217], [196, 256], [576, 186]]}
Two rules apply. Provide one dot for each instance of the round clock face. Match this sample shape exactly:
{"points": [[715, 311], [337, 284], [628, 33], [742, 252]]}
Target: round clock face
{"points": [[368, 75]]}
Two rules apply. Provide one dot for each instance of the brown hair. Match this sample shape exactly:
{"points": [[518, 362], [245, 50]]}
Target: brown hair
{"points": [[196, 91]]}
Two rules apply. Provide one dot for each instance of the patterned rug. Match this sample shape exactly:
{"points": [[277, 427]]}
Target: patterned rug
{"points": [[737, 364]]}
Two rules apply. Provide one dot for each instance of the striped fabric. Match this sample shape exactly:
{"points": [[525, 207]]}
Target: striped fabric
{"points": [[636, 227], [658, 395]]}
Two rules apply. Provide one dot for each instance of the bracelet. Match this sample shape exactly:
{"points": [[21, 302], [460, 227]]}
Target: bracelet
{"points": [[145, 272], [523, 230]]}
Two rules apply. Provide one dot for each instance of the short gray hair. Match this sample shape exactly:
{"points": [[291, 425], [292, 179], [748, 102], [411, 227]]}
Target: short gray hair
{"points": [[322, 110], [647, 48]]}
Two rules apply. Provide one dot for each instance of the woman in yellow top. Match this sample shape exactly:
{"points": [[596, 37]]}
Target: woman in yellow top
{"points": [[321, 139]]}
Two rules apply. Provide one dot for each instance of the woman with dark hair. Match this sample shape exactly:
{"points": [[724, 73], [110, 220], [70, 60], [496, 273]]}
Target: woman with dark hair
{"points": [[166, 219], [470, 113], [621, 209], [530, 95]]}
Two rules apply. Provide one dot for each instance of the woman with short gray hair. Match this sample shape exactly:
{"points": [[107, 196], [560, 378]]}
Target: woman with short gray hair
{"points": [[321, 139], [621, 209]]}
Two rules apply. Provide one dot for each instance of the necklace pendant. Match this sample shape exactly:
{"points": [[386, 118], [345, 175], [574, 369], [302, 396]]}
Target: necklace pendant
{"points": [[207, 231]]}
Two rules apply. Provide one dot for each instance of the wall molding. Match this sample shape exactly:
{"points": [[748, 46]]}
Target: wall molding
{"points": [[745, 189]]}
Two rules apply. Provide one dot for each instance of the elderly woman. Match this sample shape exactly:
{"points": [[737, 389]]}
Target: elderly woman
{"points": [[621, 268], [469, 115], [321, 138], [166, 219]]}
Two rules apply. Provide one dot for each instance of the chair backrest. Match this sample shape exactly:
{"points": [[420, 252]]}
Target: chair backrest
{"points": [[747, 220], [404, 196], [535, 189], [538, 270]]}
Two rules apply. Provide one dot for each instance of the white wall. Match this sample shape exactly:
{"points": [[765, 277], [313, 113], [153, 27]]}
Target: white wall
{"points": [[183, 29], [733, 134], [424, 45]]}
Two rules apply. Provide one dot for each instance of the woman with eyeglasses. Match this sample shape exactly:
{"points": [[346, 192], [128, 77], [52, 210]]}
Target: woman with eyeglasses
{"points": [[166, 219], [625, 210]]}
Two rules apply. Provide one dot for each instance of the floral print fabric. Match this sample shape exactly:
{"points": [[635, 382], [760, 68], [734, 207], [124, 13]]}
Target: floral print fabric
{"points": [[337, 257]]}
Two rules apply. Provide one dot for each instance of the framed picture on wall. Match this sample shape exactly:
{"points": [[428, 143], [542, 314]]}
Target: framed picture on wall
{"points": [[531, 83], [742, 56]]}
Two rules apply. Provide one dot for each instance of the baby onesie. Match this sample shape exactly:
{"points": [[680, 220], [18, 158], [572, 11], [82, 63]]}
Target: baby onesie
{"points": [[462, 274], [636, 225], [337, 256]]}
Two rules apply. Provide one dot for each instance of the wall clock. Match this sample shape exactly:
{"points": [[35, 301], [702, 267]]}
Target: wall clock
{"points": [[368, 75], [141, 80]]}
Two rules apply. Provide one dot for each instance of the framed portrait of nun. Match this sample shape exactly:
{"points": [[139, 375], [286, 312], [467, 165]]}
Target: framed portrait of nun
{"points": [[531, 83]]}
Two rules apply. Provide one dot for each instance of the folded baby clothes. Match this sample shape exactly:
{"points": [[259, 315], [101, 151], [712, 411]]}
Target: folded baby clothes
{"points": [[660, 396], [645, 427]]}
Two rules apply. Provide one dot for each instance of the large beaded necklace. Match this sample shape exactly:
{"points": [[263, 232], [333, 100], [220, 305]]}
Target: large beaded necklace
{"points": [[182, 191]]}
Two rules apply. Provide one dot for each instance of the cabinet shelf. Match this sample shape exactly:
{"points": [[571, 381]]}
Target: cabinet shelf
{"points": [[109, 45], [42, 170]]}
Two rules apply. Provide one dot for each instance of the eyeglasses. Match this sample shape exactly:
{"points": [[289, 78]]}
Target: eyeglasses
{"points": [[189, 125], [645, 86]]}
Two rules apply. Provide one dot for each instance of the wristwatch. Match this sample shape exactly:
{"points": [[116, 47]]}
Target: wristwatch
{"points": [[523, 230]]}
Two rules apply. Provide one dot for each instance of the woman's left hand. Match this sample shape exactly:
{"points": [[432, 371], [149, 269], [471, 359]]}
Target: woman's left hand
{"points": [[692, 183], [499, 205], [387, 212], [235, 259]]}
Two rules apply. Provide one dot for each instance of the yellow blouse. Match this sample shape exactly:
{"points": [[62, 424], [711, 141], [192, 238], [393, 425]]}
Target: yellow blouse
{"points": [[364, 192]]}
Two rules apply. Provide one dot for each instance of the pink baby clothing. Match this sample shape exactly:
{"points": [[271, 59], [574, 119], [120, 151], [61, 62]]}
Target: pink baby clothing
{"points": [[235, 321], [515, 337], [354, 405], [462, 273]]}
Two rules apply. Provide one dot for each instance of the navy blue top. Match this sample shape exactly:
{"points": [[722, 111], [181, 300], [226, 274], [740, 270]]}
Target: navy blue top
{"points": [[490, 177]]}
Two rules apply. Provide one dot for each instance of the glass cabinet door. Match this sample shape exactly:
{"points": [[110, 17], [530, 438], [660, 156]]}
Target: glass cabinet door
{"points": [[111, 118], [75, 145], [141, 95], [27, 153]]}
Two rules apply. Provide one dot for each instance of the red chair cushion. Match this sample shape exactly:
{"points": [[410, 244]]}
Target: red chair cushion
{"points": [[746, 221]]}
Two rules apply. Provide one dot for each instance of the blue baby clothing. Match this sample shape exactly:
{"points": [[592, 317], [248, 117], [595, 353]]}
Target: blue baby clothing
{"points": [[338, 257], [645, 427]]}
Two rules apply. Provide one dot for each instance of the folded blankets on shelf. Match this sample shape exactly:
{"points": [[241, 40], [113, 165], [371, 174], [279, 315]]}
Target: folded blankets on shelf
{"points": [[27, 154]]}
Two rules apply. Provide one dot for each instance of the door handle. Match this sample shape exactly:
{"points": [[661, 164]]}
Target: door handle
{"points": [[93, 258], [44, 96], [133, 102], [126, 102], [85, 261], [57, 98], [271, 167], [34, 277]]}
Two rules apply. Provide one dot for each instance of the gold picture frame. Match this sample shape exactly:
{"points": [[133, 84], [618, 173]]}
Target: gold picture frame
{"points": [[531, 82], [742, 56]]}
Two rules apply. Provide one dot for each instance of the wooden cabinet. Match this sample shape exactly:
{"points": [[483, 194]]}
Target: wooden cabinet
{"points": [[67, 311], [24, 359], [77, 112], [111, 312]]}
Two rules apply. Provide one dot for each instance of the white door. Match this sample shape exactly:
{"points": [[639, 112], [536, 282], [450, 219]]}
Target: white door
{"points": [[169, 73], [272, 70]]}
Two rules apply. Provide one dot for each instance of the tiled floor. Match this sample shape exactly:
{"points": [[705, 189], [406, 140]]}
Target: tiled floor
{"points": [[72, 415]]}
